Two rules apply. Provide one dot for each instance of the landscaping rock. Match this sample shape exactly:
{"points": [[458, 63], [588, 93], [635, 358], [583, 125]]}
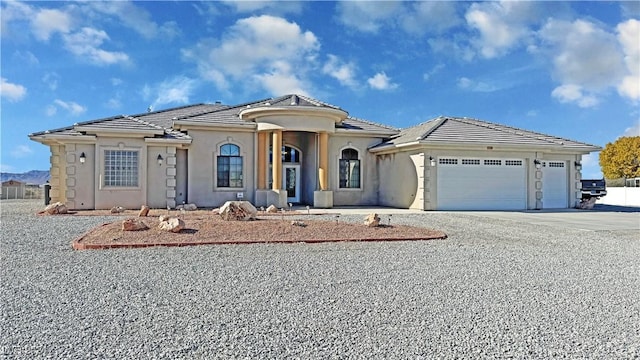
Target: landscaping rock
{"points": [[172, 225], [187, 207], [587, 204], [272, 209], [216, 211], [372, 220], [162, 218], [298, 223], [56, 208], [238, 211], [144, 211], [117, 210], [133, 225]]}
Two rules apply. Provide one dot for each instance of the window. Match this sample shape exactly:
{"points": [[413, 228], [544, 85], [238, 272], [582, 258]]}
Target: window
{"points": [[470, 161], [121, 168], [230, 166], [513, 162], [349, 169], [493, 162], [448, 161]]}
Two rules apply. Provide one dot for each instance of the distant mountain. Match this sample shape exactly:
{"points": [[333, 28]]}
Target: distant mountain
{"points": [[36, 177]]}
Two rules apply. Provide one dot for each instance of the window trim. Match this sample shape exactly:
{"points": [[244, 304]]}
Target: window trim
{"points": [[218, 153], [360, 162], [103, 169]]}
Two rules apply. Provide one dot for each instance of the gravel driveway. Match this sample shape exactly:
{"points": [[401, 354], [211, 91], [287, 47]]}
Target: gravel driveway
{"points": [[495, 288]]}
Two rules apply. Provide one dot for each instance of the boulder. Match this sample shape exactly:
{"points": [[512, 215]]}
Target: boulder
{"points": [[133, 225], [215, 211], [372, 220], [587, 204], [56, 208], [117, 210], [187, 207], [162, 218], [272, 209], [238, 211], [172, 225], [144, 211]]}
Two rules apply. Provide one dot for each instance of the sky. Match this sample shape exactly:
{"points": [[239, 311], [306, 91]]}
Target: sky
{"points": [[569, 69]]}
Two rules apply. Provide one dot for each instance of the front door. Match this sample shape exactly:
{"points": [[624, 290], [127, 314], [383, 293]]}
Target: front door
{"points": [[291, 182]]}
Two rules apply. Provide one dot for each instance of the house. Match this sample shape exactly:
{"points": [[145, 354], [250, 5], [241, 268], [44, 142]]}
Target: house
{"points": [[295, 149], [14, 189]]}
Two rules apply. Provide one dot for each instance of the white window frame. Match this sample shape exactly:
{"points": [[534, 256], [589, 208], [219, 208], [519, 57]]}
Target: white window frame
{"points": [[359, 188], [218, 153], [105, 171]]}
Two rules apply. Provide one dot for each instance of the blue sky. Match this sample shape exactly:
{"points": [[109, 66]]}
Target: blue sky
{"points": [[570, 69]]}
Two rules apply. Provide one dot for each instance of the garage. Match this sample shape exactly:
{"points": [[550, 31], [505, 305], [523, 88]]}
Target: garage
{"points": [[555, 187], [481, 184]]}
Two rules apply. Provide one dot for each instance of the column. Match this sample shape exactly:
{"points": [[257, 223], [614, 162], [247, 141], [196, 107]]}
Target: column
{"points": [[262, 160], [323, 168], [277, 160]]}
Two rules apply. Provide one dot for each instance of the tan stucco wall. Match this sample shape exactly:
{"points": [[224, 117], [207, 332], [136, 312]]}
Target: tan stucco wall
{"points": [[398, 179], [202, 154], [130, 198], [368, 193]]}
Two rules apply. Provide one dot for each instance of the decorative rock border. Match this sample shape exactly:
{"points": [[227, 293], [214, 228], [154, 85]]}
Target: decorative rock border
{"points": [[77, 244]]}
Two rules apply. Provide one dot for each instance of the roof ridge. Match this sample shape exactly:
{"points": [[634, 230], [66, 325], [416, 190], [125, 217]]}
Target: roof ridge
{"points": [[318, 102], [169, 109], [373, 123]]}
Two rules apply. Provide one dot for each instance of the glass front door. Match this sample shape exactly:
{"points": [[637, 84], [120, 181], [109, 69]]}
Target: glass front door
{"points": [[291, 182]]}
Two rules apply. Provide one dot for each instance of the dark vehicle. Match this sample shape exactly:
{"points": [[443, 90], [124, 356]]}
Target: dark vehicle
{"points": [[593, 188]]}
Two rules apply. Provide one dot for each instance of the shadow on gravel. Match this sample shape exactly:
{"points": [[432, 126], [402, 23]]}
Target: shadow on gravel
{"points": [[615, 208]]}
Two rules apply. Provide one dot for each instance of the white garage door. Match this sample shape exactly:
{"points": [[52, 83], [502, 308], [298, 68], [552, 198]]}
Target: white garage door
{"points": [[554, 185], [481, 184]]}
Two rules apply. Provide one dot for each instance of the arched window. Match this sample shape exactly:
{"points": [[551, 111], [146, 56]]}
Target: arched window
{"points": [[230, 166], [349, 169]]}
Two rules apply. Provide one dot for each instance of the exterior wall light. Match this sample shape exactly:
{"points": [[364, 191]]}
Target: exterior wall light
{"points": [[432, 161], [83, 158], [160, 159], [537, 163], [578, 166]]}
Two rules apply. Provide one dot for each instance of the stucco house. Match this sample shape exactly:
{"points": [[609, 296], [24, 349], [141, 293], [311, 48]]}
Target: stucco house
{"points": [[295, 149]]}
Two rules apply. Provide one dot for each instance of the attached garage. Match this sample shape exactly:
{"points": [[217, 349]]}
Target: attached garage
{"points": [[555, 187], [481, 184]]}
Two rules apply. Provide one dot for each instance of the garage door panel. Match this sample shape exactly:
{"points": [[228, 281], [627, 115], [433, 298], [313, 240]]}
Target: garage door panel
{"points": [[470, 186]]}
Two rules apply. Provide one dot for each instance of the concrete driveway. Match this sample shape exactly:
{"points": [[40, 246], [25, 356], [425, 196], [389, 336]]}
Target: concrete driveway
{"points": [[602, 217]]}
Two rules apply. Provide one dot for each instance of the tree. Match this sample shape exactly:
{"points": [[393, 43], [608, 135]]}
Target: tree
{"points": [[621, 158]]}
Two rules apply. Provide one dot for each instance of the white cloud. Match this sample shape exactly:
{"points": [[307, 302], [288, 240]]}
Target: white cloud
{"points": [[475, 86], [114, 103], [21, 151], [7, 168], [172, 91], [633, 130], [436, 69], [136, 18], [429, 16], [116, 81], [51, 79], [341, 71], [629, 37], [12, 92], [73, 108], [49, 21], [257, 48], [271, 7], [367, 16], [569, 93], [502, 25], [282, 80], [51, 110], [381, 81], [26, 57], [86, 43]]}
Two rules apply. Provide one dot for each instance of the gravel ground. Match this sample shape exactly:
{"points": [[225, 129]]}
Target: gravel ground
{"points": [[495, 288]]}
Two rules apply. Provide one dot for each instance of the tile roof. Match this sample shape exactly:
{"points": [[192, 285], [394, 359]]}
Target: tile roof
{"points": [[472, 131]]}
